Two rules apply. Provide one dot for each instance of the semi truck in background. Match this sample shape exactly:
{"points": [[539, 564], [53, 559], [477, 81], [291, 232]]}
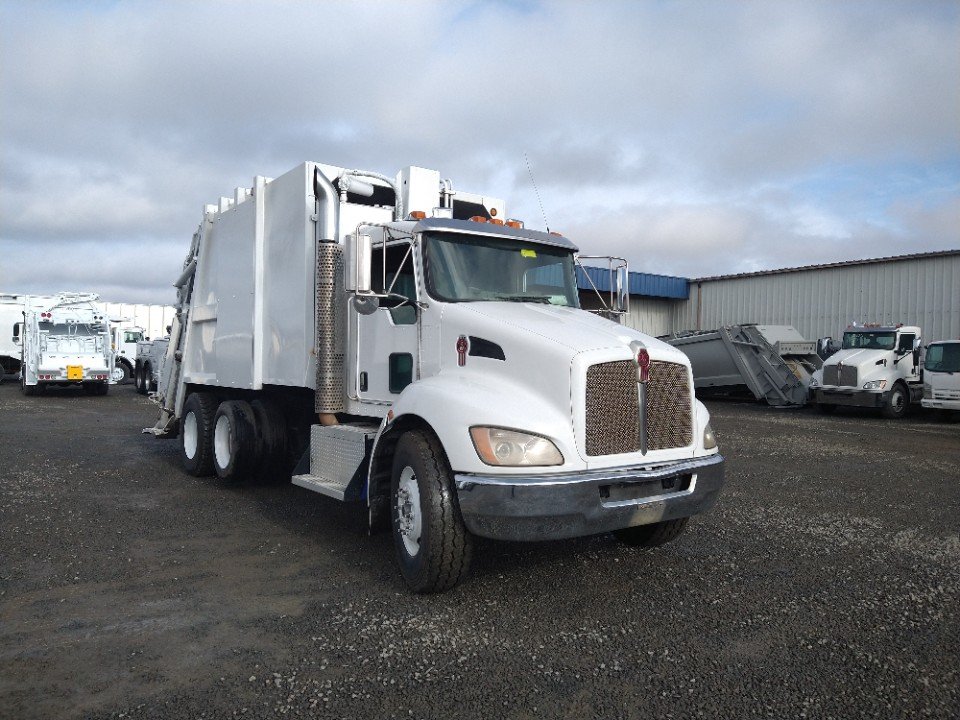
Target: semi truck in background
{"points": [[941, 376], [64, 340], [399, 343], [876, 367]]}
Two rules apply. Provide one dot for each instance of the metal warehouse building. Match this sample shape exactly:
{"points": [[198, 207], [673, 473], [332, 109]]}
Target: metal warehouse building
{"points": [[819, 300]]}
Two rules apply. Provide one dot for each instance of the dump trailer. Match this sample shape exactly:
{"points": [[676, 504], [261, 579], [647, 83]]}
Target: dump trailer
{"points": [[65, 340], [399, 343], [877, 366], [772, 362]]}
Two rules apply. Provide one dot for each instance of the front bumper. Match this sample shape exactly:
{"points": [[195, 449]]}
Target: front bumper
{"points": [[551, 507], [851, 398], [939, 404]]}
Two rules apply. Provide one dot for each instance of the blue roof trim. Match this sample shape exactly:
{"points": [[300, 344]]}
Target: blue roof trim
{"points": [[665, 286]]}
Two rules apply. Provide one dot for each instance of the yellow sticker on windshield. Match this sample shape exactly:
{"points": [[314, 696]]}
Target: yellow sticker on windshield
{"points": [[528, 253]]}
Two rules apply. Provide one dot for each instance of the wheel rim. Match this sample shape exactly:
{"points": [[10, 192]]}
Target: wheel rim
{"points": [[897, 400], [221, 442], [409, 517], [190, 436]]}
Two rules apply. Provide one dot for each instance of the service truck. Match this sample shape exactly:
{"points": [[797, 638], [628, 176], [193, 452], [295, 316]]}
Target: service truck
{"points": [[941, 376], [876, 367], [65, 340], [397, 342]]}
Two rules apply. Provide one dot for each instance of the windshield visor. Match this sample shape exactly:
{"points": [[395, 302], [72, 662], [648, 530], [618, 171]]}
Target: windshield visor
{"points": [[943, 358], [470, 268], [869, 340]]}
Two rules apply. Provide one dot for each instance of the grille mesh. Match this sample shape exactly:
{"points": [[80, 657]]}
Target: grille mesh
{"points": [[669, 424], [613, 408], [846, 377]]}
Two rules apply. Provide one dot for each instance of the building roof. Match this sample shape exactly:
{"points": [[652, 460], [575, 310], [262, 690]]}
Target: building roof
{"points": [[663, 286], [825, 266]]}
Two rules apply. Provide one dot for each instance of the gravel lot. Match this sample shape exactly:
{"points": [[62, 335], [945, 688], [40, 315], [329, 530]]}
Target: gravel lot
{"points": [[823, 585]]}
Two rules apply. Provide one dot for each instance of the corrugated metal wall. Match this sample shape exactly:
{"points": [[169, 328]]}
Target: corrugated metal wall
{"points": [[818, 302], [651, 315]]}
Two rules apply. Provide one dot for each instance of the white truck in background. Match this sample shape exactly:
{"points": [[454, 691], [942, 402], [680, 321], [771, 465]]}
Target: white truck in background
{"points": [[150, 358], [11, 318], [64, 340], [941, 376], [876, 367], [124, 338], [399, 343]]}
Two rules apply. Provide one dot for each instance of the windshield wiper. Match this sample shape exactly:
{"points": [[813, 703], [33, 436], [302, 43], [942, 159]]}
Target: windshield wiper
{"points": [[524, 298]]}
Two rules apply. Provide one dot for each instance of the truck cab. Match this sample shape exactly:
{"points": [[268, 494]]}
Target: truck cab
{"points": [[941, 376], [124, 339], [876, 367]]}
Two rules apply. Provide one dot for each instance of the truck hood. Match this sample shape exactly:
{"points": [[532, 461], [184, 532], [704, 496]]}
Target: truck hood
{"points": [[565, 331], [862, 359]]}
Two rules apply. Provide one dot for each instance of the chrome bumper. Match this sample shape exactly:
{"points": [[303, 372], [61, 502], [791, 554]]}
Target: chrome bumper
{"points": [[550, 507]]}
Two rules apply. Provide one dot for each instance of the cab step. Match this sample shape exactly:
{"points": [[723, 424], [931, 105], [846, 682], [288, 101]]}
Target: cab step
{"points": [[339, 459]]}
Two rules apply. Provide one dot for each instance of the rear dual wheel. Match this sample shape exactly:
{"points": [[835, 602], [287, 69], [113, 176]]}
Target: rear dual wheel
{"points": [[236, 440]]}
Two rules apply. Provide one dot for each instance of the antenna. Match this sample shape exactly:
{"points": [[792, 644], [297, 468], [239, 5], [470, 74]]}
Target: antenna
{"points": [[537, 191]]}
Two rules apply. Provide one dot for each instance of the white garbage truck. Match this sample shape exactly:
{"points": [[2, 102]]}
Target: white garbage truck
{"points": [[941, 376], [877, 366], [65, 340], [396, 342]]}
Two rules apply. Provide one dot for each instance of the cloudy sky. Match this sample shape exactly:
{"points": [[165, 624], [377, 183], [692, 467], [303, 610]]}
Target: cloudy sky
{"points": [[695, 138]]}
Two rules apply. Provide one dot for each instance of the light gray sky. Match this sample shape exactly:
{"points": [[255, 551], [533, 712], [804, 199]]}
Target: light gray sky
{"points": [[694, 138]]}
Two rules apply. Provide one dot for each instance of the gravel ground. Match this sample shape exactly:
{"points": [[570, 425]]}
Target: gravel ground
{"points": [[823, 585]]}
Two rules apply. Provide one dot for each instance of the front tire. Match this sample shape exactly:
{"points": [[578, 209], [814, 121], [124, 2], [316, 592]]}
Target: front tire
{"points": [[125, 369], [896, 405], [433, 546], [652, 535], [196, 434], [235, 445]]}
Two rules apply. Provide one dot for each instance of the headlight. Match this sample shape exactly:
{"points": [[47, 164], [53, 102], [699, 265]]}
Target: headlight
{"points": [[709, 439], [497, 446], [875, 385], [814, 382]]}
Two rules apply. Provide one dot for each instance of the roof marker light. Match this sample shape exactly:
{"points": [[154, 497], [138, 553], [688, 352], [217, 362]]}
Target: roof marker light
{"points": [[478, 218], [417, 215], [554, 232], [515, 223], [496, 221]]}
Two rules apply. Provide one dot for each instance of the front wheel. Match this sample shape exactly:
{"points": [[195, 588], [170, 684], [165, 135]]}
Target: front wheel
{"points": [[433, 545], [652, 535], [125, 370], [896, 405]]}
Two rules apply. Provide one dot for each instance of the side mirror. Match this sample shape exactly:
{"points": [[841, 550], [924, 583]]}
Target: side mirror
{"points": [[358, 264], [623, 290], [16, 339], [916, 356]]}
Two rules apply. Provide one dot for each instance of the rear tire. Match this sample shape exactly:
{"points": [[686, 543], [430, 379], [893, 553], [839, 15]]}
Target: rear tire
{"points": [[235, 445], [652, 535], [272, 430], [433, 546], [896, 405], [138, 380], [196, 434]]}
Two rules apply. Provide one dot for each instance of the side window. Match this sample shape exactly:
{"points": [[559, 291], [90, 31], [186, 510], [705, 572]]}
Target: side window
{"points": [[400, 280], [906, 342]]}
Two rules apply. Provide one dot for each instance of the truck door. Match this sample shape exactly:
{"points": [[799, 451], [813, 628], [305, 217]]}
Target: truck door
{"points": [[388, 339]]}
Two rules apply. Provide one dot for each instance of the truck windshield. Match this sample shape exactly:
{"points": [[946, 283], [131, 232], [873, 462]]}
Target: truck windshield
{"points": [[862, 340], [465, 268], [943, 358]]}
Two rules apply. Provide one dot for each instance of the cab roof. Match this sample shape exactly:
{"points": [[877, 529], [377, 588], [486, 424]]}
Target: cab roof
{"points": [[478, 228]]}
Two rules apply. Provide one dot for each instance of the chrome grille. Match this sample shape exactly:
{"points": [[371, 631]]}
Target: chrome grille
{"points": [[847, 376], [669, 424], [613, 408]]}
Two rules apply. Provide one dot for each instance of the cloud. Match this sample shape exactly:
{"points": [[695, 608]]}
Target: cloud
{"points": [[715, 137]]}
